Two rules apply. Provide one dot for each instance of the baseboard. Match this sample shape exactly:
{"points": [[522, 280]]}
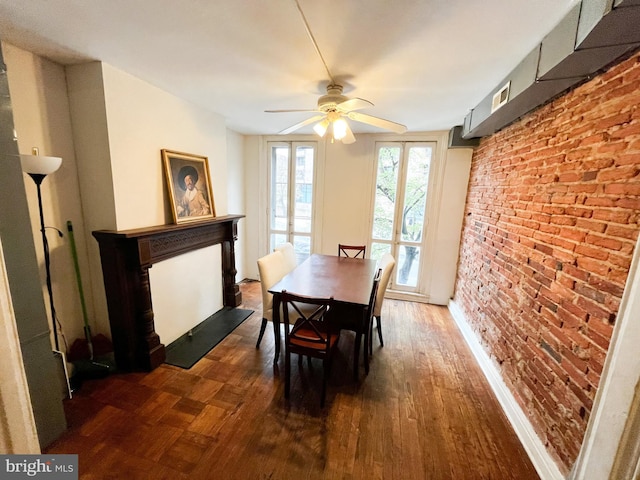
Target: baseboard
{"points": [[542, 461]]}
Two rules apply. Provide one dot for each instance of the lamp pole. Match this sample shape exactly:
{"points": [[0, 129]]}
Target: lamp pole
{"points": [[38, 178]]}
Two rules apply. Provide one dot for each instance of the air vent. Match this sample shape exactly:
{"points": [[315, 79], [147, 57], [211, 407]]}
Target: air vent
{"points": [[500, 97]]}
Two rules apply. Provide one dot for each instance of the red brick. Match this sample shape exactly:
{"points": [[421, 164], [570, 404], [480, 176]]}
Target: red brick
{"points": [[627, 232], [621, 189], [592, 252], [611, 216], [572, 234], [591, 225], [596, 266], [604, 242]]}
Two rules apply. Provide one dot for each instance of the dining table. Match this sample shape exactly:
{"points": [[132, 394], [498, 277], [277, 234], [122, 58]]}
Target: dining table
{"points": [[347, 280]]}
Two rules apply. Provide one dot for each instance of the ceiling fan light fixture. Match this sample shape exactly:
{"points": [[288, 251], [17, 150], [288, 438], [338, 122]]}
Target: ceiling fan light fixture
{"points": [[339, 128], [321, 127]]}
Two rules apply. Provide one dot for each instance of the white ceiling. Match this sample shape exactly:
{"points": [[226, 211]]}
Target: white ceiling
{"points": [[423, 63]]}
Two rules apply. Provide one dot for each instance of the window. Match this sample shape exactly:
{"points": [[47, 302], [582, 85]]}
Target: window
{"points": [[399, 221], [292, 170]]}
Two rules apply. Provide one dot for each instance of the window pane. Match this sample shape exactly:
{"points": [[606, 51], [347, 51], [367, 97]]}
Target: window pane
{"points": [[408, 263], [386, 185], [302, 247], [303, 189], [415, 196], [279, 190], [379, 249], [277, 239]]}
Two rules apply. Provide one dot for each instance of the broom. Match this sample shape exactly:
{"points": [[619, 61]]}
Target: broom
{"points": [[85, 368]]}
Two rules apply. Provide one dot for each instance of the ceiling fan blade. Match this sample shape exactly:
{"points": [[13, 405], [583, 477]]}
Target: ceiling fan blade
{"points": [[288, 111], [348, 138], [295, 127], [377, 122], [354, 104]]}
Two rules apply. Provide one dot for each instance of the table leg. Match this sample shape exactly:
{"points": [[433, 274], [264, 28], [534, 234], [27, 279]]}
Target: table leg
{"points": [[356, 355], [276, 326]]}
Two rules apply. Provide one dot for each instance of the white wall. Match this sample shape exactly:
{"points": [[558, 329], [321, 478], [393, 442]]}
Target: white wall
{"points": [[139, 121], [41, 115], [236, 194], [255, 194], [348, 183], [448, 225]]}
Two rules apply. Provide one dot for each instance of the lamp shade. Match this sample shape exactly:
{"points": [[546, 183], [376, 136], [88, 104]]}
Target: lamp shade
{"points": [[321, 127], [39, 164], [339, 128]]}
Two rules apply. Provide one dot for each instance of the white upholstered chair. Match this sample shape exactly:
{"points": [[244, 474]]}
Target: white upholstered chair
{"points": [[289, 254], [386, 263], [272, 268]]}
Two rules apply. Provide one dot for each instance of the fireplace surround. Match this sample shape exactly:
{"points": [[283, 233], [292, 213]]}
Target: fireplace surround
{"points": [[127, 255]]}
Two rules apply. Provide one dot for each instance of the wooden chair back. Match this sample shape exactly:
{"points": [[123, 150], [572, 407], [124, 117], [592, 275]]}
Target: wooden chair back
{"points": [[368, 320], [309, 331], [355, 251], [307, 328]]}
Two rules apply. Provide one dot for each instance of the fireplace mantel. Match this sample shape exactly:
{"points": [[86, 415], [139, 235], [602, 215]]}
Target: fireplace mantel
{"points": [[126, 257]]}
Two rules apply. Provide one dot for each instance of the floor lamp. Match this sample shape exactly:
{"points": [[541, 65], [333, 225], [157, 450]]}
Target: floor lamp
{"points": [[38, 167]]}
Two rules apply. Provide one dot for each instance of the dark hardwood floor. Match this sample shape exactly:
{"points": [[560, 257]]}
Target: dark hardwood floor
{"points": [[424, 411]]}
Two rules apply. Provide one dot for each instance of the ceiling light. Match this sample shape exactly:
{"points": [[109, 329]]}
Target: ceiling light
{"points": [[321, 127], [339, 128]]}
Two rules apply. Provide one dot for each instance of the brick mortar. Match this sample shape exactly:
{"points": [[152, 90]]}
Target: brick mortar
{"points": [[551, 221]]}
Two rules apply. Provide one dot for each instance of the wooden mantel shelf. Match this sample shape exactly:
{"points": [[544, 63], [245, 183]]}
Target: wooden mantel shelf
{"points": [[126, 256]]}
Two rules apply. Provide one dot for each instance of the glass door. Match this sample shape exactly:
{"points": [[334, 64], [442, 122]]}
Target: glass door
{"points": [[399, 220], [291, 197]]}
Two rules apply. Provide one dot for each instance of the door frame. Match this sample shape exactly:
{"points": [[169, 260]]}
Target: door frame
{"points": [[318, 192], [432, 212]]}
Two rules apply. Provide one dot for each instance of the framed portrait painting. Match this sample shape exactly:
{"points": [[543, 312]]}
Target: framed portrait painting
{"points": [[189, 186]]}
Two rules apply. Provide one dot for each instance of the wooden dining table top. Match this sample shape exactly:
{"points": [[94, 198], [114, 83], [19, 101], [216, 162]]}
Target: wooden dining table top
{"points": [[347, 280]]}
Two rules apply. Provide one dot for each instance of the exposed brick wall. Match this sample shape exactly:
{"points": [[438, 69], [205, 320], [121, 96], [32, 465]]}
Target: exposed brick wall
{"points": [[551, 221]]}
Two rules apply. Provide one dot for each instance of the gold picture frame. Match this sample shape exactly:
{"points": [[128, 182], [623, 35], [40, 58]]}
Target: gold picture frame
{"points": [[189, 185]]}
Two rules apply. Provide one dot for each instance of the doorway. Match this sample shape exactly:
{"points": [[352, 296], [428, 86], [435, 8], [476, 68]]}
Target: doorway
{"points": [[291, 197], [399, 209]]}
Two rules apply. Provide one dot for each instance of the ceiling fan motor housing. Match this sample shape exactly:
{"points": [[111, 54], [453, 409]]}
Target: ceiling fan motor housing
{"points": [[332, 99]]}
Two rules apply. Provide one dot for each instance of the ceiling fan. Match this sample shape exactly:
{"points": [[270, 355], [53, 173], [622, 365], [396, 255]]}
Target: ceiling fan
{"points": [[334, 107]]}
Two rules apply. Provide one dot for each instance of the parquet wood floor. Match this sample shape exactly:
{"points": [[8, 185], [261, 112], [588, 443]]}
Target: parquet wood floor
{"points": [[424, 411]]}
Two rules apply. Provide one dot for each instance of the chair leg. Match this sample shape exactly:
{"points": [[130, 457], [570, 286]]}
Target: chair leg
{"points": [[365, 350], [326, 365], [379, 322], [263, 327], [276, 336], [369, 346], [287, 374]]}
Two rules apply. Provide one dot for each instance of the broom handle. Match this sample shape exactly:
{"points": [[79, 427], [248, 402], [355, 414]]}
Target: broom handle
{"points": [[74, 254]]}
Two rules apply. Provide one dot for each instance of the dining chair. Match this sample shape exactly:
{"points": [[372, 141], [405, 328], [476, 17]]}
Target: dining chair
{"points": [[357, 319], [355, 251], [309, 332], [386, 264], [271, 268], [289, 254], [368, 319]]}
